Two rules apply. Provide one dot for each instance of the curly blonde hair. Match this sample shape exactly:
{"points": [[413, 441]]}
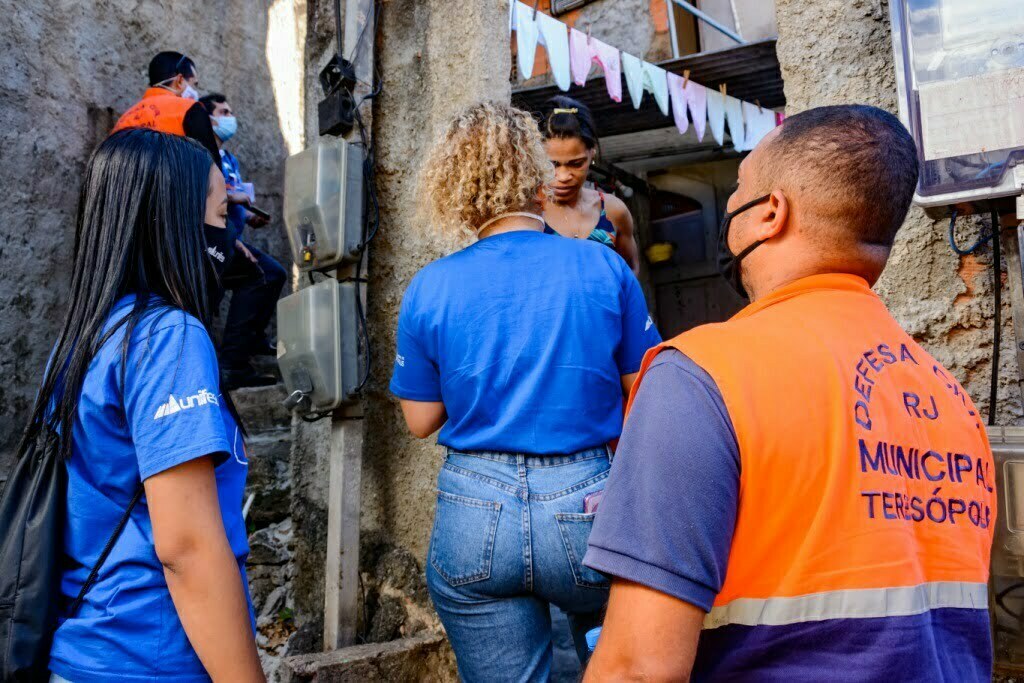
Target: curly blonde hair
{"points": [[490, 160]]}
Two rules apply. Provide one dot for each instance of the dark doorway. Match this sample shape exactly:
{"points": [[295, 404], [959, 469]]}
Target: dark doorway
{"points": [[688, 291]]}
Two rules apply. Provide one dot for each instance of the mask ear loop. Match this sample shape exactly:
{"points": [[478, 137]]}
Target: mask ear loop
{"points": [[731, 214]]}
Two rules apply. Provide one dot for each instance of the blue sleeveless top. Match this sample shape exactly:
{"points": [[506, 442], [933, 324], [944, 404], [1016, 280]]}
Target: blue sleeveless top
{"points": [[603, 232]]}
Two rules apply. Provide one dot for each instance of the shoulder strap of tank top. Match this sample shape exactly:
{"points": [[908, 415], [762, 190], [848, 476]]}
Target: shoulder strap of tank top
{"points": [[601, 195]]}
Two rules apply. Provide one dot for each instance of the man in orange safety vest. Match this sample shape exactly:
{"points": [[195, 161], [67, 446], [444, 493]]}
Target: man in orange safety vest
{"points": [[802, 493]]}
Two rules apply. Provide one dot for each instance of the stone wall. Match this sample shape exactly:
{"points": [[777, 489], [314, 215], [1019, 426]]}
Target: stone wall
{"points": [[943, 300], [67, 70], [434, 58]]}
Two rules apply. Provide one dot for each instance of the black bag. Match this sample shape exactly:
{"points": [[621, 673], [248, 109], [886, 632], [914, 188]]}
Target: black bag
{"points": [[31, 558], [31, 522]]}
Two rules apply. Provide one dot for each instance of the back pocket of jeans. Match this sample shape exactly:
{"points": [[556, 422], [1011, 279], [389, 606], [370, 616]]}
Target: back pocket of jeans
{"points": [[462, 542], [575, 529]]}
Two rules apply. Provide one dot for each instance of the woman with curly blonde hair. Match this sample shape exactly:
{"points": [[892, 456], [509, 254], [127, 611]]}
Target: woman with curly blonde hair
{"points": [[519, 348]]}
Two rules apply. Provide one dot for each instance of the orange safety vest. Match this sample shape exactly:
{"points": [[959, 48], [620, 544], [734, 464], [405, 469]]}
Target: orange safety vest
{"points": [[159, 110], [867, 486]]}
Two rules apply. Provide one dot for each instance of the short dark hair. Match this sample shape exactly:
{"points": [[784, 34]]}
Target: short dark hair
{"points": [[211, 101], [167, 65], [566, 118], [859, 157]]}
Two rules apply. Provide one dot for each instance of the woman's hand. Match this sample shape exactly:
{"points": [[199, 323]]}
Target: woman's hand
{"points": [[201, 570], [245, 251], [238, 198]]}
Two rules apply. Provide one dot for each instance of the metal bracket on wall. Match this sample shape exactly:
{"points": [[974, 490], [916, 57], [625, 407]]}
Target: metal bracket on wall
{"points": [[710, 21]]}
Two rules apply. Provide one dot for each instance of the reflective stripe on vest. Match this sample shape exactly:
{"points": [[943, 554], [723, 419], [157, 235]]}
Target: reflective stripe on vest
{"points": [[159, 110], [850, 604], [866, 477]]}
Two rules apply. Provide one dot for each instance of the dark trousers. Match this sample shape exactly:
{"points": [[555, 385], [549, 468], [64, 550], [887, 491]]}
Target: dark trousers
{"points": [[255, 289]]}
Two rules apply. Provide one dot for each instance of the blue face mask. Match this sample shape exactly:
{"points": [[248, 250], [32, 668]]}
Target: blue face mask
{"points": [[224, 127]]}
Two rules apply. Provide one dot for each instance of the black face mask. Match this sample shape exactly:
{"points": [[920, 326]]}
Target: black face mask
{"points": [[728, 263], [219, 247]]}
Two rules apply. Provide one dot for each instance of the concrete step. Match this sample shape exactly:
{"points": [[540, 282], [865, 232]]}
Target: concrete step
{"points": [[425, 657], [261, 408], [269, 455]]}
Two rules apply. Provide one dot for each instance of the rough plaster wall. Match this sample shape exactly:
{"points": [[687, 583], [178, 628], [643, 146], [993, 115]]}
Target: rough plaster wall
{"points": [[943, 300], [310, 458], [434, 58], [67, 69]]}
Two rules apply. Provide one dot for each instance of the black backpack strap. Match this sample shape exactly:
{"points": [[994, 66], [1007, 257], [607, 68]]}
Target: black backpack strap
{"points": [[121, 523]]}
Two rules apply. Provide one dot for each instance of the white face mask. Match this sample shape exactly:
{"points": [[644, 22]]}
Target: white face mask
{"points": [[190, 93]]}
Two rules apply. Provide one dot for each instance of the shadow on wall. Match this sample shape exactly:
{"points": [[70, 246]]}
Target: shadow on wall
{"points": [[70, 69]]}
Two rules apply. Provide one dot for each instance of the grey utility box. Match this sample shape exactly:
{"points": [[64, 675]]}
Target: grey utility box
{"points": [[323, 203], [1006, 597], [318, 345]]}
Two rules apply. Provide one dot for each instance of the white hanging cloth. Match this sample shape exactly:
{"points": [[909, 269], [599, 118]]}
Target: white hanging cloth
{"points": [[527, 36], [760, 122], [554, 35], [734, 117], [716, 115], [641, 76]]}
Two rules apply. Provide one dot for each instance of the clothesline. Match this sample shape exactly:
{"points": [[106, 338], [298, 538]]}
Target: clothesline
{"points": [[572, 54]]}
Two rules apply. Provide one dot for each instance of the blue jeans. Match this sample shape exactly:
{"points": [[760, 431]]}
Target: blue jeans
{"points": [[509, 538]]}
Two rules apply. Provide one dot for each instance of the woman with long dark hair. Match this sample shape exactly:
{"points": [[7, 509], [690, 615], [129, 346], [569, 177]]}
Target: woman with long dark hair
{"points": [[132, 391], [573, 210]]}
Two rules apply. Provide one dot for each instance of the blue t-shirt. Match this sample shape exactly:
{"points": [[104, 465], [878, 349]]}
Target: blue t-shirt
{"points": [[667, 519], [232, 173], [166, 410], [524, 337]]}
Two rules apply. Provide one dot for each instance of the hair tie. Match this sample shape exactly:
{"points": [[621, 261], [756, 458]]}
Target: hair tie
{"points": [[574, 110]]}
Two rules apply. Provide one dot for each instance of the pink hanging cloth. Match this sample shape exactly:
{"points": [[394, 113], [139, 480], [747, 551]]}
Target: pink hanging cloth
{"points": [[584, 51], [692, 97]]}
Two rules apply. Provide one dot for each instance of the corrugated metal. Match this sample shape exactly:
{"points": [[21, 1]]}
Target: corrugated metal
{"points": [[751, 72]]}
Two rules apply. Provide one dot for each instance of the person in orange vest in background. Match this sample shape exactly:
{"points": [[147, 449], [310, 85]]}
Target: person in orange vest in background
{"points": [[801, 493], [170, 104]]}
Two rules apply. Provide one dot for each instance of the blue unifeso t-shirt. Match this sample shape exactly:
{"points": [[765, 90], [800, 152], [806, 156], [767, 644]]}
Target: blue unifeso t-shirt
{"points": [[165, 410], [524, 337]]}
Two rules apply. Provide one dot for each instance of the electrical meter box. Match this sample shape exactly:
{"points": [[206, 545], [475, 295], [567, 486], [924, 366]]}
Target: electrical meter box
{"points": [[960, 77], [1007, 581], [318, 345], [323, 204]]}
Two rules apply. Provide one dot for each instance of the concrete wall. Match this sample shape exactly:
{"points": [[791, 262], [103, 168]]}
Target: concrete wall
{"points": [[67, 70], [943, 300], [434, 57]]}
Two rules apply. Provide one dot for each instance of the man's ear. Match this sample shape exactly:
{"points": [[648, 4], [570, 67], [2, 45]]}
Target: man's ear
{"points": [[772, 216]]}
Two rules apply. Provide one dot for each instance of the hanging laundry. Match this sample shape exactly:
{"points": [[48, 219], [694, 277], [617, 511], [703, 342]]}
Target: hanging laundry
{"points": [[580, 56], [697, 103], [555, 37], [692, 97], [716, 115], [633, 68], [641, 76], [608, 57], [656, 81], [527, 35], [675, 91], [760, 122], [584, 51], [734, 116]]}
